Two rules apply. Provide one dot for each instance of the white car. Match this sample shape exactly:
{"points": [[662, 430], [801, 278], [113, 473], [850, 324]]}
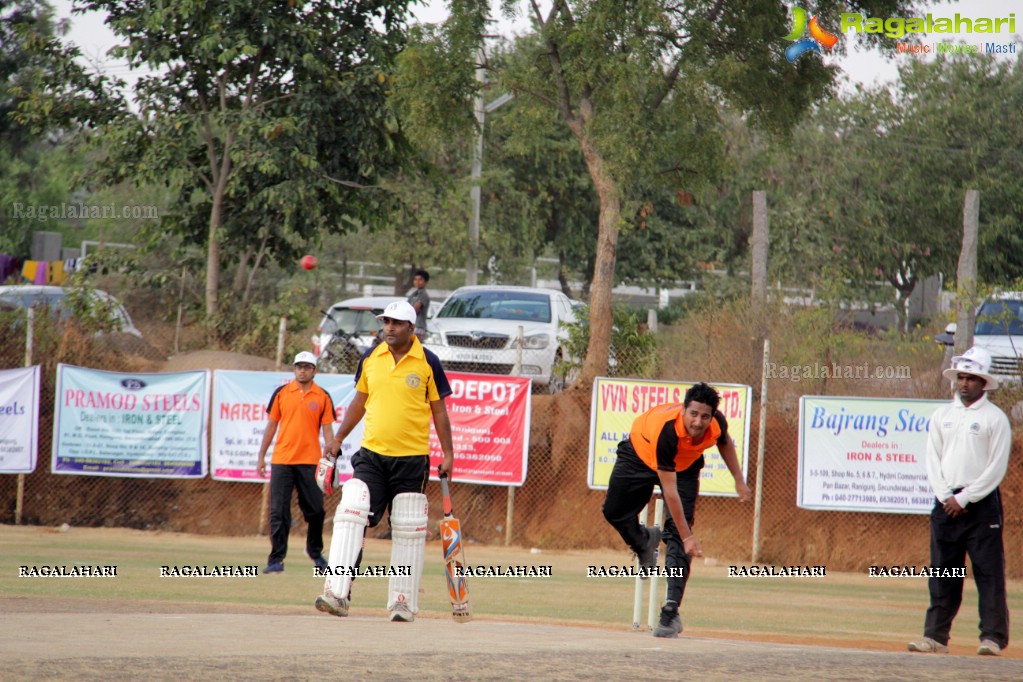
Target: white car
{"points": [[354, 317], [55, 298], [999, 331], [477, 329]]}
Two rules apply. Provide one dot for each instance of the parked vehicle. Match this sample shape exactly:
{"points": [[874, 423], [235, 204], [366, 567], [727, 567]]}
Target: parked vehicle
{"points": [[102, 310], [999, 331], [347, 331], [477, 330]]}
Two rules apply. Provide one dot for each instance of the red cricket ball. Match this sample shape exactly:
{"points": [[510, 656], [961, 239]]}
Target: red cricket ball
{"points": [[308, 262]]}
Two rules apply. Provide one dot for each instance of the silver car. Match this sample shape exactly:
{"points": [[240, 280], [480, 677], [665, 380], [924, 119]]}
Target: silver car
{"points": [[477, 330], [55, 298]]}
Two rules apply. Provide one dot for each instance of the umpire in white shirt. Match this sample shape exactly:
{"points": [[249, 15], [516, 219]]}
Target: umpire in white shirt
{"points": [[967, 456]]}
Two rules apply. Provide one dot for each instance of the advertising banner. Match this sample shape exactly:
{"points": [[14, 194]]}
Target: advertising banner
{"points": [[239, 419], [616, 404], [19, 420], [864, 454], [130, 425]]}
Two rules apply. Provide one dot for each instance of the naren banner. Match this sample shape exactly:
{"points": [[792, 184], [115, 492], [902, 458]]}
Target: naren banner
{"points": [[240, 399]]}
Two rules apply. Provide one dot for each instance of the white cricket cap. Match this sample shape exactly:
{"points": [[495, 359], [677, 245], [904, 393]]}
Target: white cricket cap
{"points": [[399, 310], [306, 357]]}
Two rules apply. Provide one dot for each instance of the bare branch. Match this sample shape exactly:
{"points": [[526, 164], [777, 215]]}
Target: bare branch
{"points": [[669, 85], [350, 183]]}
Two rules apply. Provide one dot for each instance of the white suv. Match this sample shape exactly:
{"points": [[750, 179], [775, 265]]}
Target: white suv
{"points": [[477, 329], [999, 331]]}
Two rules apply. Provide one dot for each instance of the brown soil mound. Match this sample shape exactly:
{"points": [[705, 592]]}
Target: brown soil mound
{"points": [[217, 359]]}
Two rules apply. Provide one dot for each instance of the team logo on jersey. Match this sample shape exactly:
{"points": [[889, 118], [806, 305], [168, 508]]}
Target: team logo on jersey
{"points": [[413, 380]]}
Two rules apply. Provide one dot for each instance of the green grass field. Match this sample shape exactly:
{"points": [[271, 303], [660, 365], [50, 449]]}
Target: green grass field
{"points": [[841, 609]]}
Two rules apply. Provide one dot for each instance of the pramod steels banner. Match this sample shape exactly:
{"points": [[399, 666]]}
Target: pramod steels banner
{"points": [[130, 425], [864, 454]]}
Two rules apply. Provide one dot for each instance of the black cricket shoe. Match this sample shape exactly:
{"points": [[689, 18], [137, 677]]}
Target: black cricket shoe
{"points": [[670, 623], [648, 556]]}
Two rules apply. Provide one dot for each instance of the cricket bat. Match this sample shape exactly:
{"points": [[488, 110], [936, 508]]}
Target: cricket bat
{"points": [[454, 559]]}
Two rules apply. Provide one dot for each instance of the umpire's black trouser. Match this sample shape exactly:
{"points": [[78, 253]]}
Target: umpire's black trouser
{"points": [[629, 489], [978, 533], [283, 479]]}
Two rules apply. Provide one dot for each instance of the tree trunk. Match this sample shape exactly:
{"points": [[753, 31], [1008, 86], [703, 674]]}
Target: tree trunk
{"points": [[241, 274], [601, 317], [966, 274], [213, 258]]}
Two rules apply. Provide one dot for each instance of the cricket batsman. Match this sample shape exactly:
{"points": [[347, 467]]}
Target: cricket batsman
{"points": [[399, 387], [665, 447]]}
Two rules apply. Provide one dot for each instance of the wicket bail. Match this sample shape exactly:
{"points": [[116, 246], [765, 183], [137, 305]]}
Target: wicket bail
{"points": [[653, 605]]}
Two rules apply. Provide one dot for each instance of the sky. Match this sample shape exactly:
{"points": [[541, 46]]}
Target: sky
{"points": [[860, 65]]}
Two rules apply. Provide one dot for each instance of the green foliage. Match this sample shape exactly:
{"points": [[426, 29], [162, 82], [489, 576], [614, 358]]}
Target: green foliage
{"points": [[268, 122], [633, 346], [254, 329], [899, 161]]}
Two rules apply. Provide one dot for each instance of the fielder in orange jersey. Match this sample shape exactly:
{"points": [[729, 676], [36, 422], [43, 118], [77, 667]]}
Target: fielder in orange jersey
{"points": [[299, 412], [665, 447]]}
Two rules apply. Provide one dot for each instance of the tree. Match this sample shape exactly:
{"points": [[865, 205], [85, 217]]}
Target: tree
{"points": [[899, 163], [269, 120], [35, 169], [638, 84]]}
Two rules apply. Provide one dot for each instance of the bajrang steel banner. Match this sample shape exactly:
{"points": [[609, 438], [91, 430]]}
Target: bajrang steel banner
{"points": [[616, 404], [19, 420], [864, 454], [130, 425]]}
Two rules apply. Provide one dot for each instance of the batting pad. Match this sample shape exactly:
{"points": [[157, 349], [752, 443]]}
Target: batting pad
{"points": [[409, 516], [350, 521]]}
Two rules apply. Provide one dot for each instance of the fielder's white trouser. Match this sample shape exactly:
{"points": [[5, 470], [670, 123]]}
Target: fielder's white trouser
{"points": [[409, 516], [350, 521]]}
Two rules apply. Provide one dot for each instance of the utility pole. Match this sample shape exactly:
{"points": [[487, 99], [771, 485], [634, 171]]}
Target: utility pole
{"points": [[481, 110]]}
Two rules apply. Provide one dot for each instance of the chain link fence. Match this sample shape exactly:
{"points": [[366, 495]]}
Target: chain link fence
{"points": [[709, 341]]}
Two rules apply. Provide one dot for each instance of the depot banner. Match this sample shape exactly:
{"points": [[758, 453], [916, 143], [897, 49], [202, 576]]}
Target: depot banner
{"points": [[240, 399], [489, 429], [616, 404], [864, 454], [130, 425], [19, 420]]}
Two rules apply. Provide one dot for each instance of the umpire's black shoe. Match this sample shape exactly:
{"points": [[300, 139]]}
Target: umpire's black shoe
{"points": [[670, 623], [648, 556]]}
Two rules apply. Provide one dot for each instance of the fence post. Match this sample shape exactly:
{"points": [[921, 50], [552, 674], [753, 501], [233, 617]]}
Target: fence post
{"points": [[761, 436], [509, 516], [517, 368], [19, 499]]}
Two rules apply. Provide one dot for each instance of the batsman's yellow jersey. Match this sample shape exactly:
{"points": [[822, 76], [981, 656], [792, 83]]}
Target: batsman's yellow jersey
{"points": [[398, 397]]}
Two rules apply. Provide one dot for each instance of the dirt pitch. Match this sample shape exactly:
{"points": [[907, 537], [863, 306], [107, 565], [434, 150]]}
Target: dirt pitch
{"points": [[43, 638]]}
